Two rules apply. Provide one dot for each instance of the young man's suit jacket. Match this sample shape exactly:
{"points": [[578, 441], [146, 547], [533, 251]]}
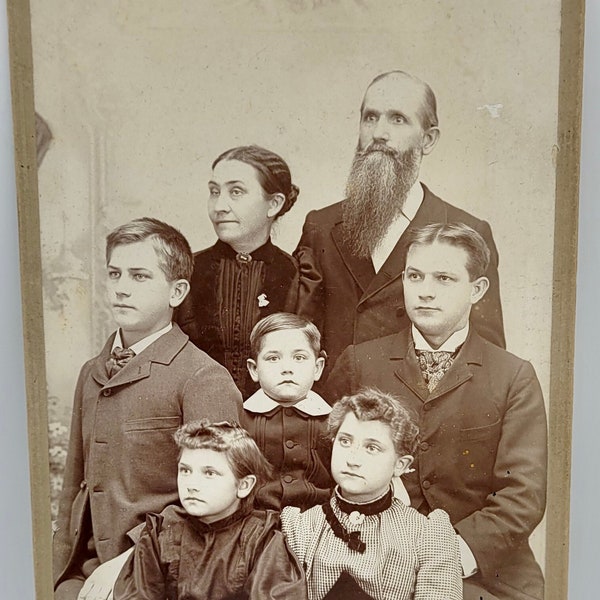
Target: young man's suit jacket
{"points": [[482, 453], [122, 459], [351, 304]]}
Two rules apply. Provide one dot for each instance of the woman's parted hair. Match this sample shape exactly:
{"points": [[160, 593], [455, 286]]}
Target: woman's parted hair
{"points": [[174, 254], [241, 451], [273, 172], [371, 404]]}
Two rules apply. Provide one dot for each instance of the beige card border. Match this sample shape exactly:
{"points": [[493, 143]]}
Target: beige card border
{"points": [[563, 307], [563, 297]]}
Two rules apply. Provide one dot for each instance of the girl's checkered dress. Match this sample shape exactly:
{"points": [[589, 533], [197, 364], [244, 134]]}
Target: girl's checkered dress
{"points": [[407, 555]]}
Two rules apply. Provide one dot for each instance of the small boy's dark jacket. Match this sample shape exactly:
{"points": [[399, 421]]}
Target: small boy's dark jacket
{"points": [[122, 460], [296, 445], [483, 450]]}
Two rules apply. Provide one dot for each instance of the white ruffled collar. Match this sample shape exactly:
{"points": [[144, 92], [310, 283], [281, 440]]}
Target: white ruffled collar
{"points": [[313, 405]]}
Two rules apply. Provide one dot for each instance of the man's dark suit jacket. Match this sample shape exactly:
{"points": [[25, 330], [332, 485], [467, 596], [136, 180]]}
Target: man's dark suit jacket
{"points": [[351, 304], [482, 453]]}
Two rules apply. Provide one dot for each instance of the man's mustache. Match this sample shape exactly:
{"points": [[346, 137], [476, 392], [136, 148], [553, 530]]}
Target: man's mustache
{"points": [[377, 147]]}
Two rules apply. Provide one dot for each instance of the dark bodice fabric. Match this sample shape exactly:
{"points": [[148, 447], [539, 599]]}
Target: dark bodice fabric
{"points": [[243, 556], [230, 294]]}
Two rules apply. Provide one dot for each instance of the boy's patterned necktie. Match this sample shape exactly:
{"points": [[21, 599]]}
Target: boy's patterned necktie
{"points": [[434, 365], [119, 357]]}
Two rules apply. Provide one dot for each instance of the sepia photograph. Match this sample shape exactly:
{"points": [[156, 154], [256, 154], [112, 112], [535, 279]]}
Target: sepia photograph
{"points": [[302, 295]]}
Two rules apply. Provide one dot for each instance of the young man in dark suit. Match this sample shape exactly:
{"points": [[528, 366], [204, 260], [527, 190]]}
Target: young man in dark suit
{"points": [[483, 450], [350, 252]]}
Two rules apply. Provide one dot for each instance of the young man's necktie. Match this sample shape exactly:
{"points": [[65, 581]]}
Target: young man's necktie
{"points": [[434, 365], [119, 357]]}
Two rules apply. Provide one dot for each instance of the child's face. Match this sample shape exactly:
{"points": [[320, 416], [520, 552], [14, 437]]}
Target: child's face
{"points": [[140, 297], [207, 487], [438, 293], [364, 460], [286, 366]]}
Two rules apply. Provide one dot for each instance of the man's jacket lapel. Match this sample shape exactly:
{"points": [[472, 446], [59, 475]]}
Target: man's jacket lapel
{"points": [[361, 269]]}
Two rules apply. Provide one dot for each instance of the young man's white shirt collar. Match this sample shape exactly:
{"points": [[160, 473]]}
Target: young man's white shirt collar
{"points": [[398, 226], [450, 345], [143, 343], [313, 405]]}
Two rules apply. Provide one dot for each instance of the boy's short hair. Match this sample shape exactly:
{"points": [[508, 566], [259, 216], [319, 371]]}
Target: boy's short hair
{"points": [[172, 248], [371, 404], [455, 234], [241, 451], [280, 321]]}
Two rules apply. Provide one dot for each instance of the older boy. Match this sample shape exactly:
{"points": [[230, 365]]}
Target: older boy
{"points": [[482, 456], [122, 461]]}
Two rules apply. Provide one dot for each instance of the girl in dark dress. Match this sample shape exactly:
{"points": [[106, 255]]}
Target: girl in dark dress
{"points": [[243, 277], [214, 544]]}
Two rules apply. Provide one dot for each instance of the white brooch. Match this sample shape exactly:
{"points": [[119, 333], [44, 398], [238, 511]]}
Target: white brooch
{"points": [[356, 518], [262, 301]]}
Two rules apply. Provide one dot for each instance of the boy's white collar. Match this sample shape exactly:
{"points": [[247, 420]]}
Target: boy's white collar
{"points": [[142, 344], [313, 405], [450, 345]]}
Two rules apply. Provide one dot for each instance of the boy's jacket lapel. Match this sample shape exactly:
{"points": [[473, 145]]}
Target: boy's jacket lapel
{"points": [[163, 350]]}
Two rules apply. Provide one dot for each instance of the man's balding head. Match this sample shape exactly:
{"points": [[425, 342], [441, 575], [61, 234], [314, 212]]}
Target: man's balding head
{"points": [[400, 110]]}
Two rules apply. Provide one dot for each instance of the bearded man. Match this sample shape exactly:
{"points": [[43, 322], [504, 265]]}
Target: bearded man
{"points": [[351, 253]]}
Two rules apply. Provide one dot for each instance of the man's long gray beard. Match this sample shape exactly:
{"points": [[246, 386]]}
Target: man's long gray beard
{"points": [[378, 185]]}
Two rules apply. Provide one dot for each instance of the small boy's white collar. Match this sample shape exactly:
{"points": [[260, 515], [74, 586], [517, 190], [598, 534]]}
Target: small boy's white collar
{"points": [[142, 344], [313, 405], [450, 345]]}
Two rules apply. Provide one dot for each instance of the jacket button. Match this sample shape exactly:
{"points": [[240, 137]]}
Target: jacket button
{"points": [[360, 308], [83, 484], [427, 406], [426, 484], [107, 392], [289, 444], [424, 446], [288, 478], [289, 412]]}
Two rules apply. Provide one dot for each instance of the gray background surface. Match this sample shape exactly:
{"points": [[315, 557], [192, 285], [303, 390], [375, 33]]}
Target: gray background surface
{"points": [[16, 573]]}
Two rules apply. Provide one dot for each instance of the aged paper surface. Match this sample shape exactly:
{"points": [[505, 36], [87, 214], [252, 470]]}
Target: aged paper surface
{"points": [[138, 98]]}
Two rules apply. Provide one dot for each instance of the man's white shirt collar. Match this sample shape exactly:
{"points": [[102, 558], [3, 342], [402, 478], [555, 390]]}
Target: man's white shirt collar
{"points": [[142, 344], [450, 345], [313, 405], [398, 226]]}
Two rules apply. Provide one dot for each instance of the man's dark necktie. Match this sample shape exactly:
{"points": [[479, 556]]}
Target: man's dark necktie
{"points": [[434, 365], [119, 357]]}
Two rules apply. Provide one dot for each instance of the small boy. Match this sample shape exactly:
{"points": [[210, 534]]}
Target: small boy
{"points": [[285, 417], [128, 403], [214, 545], [365, 543], [482, 456]]}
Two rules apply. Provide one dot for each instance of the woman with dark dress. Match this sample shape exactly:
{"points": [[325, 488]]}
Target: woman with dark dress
{"points": [[244, 276]]}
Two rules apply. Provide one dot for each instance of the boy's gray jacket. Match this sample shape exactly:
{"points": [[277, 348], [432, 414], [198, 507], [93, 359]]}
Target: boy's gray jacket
{"points": [[122, 459]]}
